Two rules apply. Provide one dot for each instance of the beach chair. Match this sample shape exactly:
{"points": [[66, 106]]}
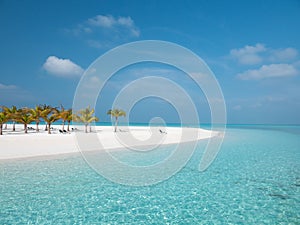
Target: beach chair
{"points": [[162, 132]]}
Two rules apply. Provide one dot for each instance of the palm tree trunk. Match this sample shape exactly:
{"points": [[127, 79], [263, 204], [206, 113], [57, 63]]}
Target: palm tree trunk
{"points": [[1, 129], [49, 124], [5, 126], [90, 128], [68, 126], [25, 128], [63, 125], [116, 124], [86, 128], [14, 126], [37, 127]]}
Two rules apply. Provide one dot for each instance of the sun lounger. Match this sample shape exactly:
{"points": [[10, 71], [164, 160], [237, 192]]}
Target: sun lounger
{"points": [[162, 132]]}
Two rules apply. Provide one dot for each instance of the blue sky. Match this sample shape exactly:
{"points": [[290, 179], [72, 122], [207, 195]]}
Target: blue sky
{"points": [[252, 47]]}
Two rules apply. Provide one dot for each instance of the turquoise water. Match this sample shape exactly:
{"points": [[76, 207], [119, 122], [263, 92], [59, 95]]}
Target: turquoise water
{"points": [[254, 180]]}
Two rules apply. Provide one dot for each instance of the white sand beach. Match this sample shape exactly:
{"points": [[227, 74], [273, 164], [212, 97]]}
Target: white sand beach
{"points": [[19, 145]]}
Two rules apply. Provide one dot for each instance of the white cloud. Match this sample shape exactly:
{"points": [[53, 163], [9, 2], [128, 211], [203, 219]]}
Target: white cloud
{"points": [[7, 87], [126, 21], [105, 31], [112, 23], [62, 67], [283, 54], [269, 71], [257, 54], [249, 55], [102, 21]]}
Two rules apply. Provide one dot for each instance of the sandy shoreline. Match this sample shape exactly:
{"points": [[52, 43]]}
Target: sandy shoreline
{"points": [[19, 145]]}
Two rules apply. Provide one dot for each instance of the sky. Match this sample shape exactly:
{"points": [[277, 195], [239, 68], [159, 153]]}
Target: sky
{"points": [[252, 48]]}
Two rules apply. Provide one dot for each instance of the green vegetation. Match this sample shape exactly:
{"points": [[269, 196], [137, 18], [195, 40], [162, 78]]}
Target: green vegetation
{"points": [[63, 115], [69, 117], [36, 114], [11, 113], [3, 119], [50, 115], [116, 113], [47, 114], [86, 116], [24, 116]]}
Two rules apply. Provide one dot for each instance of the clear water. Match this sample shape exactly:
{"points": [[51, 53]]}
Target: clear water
{"points": [[254, 180]]}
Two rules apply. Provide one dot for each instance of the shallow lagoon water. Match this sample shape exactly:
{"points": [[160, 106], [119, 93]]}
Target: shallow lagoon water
{"points": [[254, 180]]}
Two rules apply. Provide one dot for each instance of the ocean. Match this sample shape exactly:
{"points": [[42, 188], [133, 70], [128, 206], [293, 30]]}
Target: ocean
{"points": [[255, 179]]}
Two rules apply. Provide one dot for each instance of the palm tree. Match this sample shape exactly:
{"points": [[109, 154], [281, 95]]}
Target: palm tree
{"points": [[3, 119], [86, 116], [50, 115], [69, 118], [11, 113], [44, 109], [36, 114], [64, 114], [116, 113], [24, 116]]}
